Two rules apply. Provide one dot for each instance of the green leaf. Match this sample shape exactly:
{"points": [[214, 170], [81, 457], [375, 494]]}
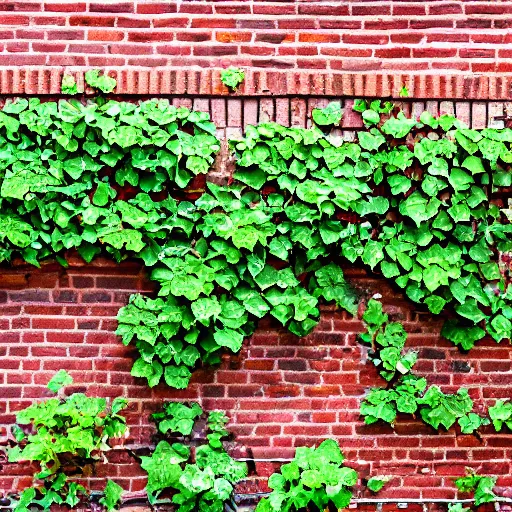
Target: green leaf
{"points": [[59, 380], [111, 495], [376, 483], [229, 338], [399, 126], [104, 83], [330, 115]]}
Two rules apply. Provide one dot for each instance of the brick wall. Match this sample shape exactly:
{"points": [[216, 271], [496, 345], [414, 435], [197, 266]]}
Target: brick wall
{"points": [[438, 48], [280, 391]]}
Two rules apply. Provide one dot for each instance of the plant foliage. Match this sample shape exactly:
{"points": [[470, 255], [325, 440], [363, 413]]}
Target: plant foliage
{"points": [[387, 340], [232, 77], [315, 476], [201, 486], [410, 395], [481, 486], [408, 200], [62, 433]]}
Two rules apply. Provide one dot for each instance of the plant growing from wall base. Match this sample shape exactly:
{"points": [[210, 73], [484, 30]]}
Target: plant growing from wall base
{"points": [[64, 434], [314, 480], [203, 486]]}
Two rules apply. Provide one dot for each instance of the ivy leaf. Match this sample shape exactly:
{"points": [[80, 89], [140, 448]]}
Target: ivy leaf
{"points": [[330, 115], [418, 208], [151, 371], [111, 495], [376, 483], [59, 380], [177, 376], [229, 338], [399, 126], [104, 83]]}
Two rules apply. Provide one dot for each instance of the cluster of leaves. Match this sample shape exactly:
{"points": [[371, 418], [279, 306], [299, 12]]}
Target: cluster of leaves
{"points": [[410, 395], [205, 485], [218, 278], [232, 77], [315, 476], [481, 486], [85, 176], [177, 417], [63, 433], [93, 78], [409, 200], [387, 340], [420, 193]]}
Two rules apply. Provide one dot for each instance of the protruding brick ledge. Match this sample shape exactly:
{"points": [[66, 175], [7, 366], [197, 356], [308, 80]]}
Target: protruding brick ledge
{"points": [[195, 82]]}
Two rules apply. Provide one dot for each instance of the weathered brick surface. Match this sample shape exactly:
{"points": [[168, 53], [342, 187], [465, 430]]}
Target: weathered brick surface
{"points": [[438, 48], [280, 391]]}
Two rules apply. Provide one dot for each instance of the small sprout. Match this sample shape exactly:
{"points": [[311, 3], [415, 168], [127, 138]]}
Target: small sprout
{"points": [[103, 82], [404, 92], [111, 496], [68, 85], [232, 77]]}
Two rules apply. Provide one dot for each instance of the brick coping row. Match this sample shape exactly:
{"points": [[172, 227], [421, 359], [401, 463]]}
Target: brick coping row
{"points": [[206, 82]]}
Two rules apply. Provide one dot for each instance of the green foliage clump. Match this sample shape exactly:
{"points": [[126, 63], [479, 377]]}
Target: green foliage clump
{"points": [[103, 83], [205, 485], [501, 413], [410, 395], [387, 340], [177, 417], [64, 432], [481, 486], [316, 476], [68, 85], [328, 116], [409, 200], [376, 483], [416, 194], [232, 77]]}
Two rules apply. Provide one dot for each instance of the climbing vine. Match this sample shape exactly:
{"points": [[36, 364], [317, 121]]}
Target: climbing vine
{"points": [[410, 199]]}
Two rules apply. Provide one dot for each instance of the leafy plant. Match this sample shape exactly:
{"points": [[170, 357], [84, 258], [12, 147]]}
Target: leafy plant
{"points": [[203, 486], [316, 476], [64, 432], [68, 85], [232, 77], [177, 417], [387, 340], [410, 395], [481, 486], [111, 495], [501, 413], [330, 115], [376, 483], [103, 82], [408, 200]]}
